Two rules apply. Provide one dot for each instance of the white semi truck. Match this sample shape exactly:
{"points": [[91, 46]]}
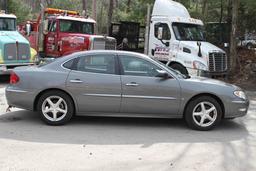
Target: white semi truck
{"points": [[178, 40]]}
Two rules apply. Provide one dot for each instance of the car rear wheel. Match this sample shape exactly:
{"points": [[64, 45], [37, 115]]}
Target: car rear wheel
{"points": [[203, 113], [55, 107]]}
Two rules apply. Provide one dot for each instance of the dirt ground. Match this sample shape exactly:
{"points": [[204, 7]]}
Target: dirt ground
{"points": [[245, 75]]}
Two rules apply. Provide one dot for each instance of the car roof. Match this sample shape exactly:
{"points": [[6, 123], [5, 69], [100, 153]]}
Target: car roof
{"points": [[118, 52], [95, 52]]}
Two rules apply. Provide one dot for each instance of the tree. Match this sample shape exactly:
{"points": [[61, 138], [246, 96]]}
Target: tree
{"points": [[205, 9], [128, 5], [110, 14], [21, 10], [84, 2], [3, 5], [233, 35]]}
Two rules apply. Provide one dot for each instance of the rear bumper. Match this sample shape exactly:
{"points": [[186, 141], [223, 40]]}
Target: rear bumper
{"points": [[19, 98]]}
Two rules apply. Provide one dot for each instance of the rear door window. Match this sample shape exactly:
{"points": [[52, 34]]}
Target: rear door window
{"points": [[105, 64]]}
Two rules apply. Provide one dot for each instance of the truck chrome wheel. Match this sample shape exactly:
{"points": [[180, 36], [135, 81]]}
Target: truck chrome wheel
{"points": [[204, 114], [54, 108]]}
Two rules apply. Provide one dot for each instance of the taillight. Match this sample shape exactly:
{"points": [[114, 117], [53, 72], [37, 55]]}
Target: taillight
{"points": [[14, 78]]}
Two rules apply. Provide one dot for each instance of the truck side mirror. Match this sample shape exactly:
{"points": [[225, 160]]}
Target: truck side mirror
{"points": [[45, 26], [160, 33], [28, 29], [226, 45]]}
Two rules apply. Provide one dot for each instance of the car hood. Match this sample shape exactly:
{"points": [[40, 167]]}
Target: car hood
{"points": [[208, 81], [12, 37], [206, 47]]}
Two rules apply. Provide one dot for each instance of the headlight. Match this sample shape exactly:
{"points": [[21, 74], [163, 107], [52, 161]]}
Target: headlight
{"points": [[199, 65], [240, 94]]}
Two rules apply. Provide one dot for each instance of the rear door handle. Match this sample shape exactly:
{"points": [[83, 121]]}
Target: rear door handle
{"points": [[132, 84], [76, 81]]}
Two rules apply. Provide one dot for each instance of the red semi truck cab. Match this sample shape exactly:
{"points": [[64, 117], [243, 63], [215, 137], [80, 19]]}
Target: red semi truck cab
{"points": [[60, 32]]}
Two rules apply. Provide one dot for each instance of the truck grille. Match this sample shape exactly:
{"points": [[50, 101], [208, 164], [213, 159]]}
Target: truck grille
{"points": [[217, 62], [23, 51], [104, 43], [18, 51], [10, 52]]}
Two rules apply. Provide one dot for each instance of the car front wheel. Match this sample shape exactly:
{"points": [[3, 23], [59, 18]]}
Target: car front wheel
{"points": [[55, 107], [203, 113]]}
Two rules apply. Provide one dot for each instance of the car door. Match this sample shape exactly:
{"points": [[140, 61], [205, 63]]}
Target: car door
{"points": [[95, 84], [145, 93], [51, 39], [162, 45]]}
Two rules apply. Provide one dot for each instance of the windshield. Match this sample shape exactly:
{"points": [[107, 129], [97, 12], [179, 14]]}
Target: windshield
{"points": [[7, 24], [71, 26], [188, 32]]}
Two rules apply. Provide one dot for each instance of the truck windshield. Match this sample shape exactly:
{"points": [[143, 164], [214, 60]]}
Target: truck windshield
{"points": [[7, 24], [71, 26], [188, 32]]}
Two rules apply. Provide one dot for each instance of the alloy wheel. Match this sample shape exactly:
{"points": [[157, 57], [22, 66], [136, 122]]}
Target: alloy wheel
{"points": [[204, 114], [54, 108]]}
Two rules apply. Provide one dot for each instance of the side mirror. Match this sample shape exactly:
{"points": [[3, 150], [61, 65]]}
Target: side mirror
{"points": [[160, 33], [28, 29], [163, 74], [45, 26], [226, 45]]}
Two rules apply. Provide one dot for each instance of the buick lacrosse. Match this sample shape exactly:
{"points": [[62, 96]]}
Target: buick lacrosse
{"points": [[123, 84]]}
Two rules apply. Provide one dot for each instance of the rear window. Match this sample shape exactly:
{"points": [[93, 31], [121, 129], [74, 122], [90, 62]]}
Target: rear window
{"points": [[104, 64], [68, 64]]}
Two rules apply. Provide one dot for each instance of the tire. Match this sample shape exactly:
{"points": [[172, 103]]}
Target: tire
{"points": [[194, 113], [249, 46], [53, 113], [180, 68]]}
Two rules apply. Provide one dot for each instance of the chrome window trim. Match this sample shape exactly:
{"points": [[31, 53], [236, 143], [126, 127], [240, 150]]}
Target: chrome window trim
{"points": [[102, 95], [16, 91], [238, 101], [149, 97]]}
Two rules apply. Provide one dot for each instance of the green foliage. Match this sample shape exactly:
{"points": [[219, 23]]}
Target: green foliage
{"points": [[20, 9], [137, 12], [67, 4], [247, 15]]}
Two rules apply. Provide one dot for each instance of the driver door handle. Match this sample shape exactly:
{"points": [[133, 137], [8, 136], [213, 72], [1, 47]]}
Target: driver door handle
{"points": [[76, 81], [133, 84]]}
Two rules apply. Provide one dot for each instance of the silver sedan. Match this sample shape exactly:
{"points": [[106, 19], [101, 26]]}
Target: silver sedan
{"points": [[126, 84]]}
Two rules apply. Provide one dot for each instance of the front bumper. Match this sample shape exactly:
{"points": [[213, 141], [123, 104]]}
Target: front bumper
{"points": [[237, 108], [210, 74]]}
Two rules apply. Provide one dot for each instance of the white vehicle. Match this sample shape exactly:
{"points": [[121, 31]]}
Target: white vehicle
{"points": [[249, 41], [178, 40]]}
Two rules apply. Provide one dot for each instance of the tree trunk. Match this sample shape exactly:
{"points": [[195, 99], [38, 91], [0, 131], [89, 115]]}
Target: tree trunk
{"points": [[84, 2], [94, 10], [49, 2], [110, 13], [233, 34], [205, 9], [221, 11], [3, 5], [128, 5]]}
